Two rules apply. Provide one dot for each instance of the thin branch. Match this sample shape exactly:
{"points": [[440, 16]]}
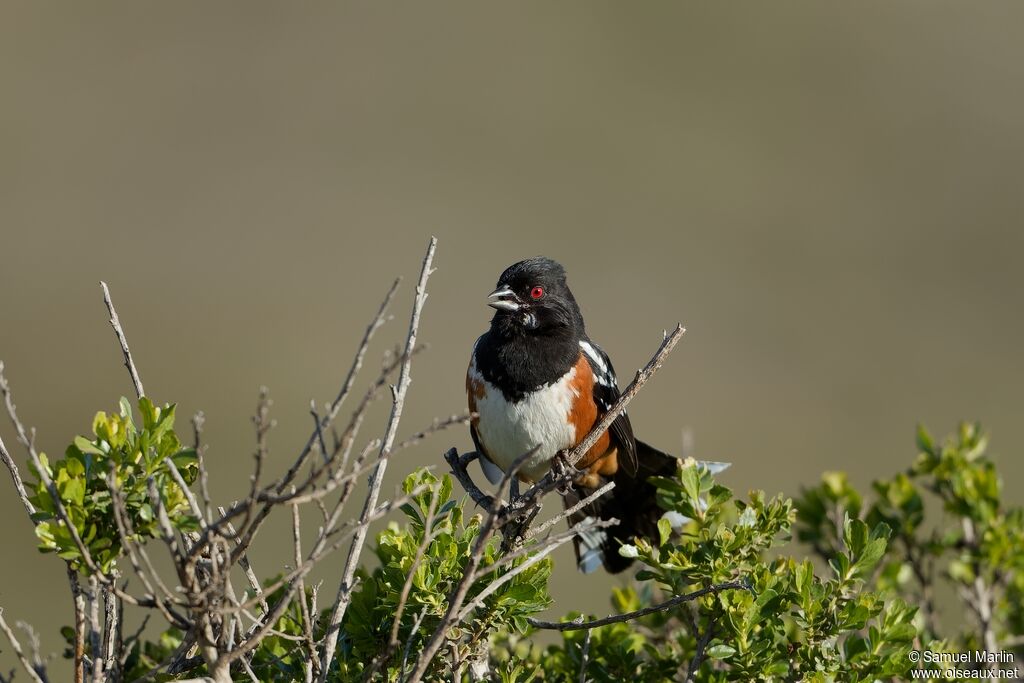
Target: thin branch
{"points": [[198, 420], [25, 438], [304, 611], [246, 565], [585, 656], [8, 461], [16, 476], [346, 387], [37, 675], [642, 377], [569, 512], [458, 594], [34, 647], [408, 643], [983, 602], [344, 596], [436, 426], [116, 324], [699, 652], [500, 581], [579, 624], [403, 596]]}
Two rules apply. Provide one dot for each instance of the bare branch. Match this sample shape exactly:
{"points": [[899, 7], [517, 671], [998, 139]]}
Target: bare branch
{"points": [[346, 388], [698, 654], [8, 461], [25, 438], [579, 624], [585, 656], [16, 476], [116, 324], [570, 511], [304, 611], [436, 426], [403, 596], [36, 674], [399, 392]]}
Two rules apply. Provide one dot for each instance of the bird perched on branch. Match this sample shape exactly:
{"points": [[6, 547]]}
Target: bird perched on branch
{"points": [[537, 381]]}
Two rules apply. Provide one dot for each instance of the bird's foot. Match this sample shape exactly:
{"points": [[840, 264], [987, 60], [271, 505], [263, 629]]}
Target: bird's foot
{"points": [[564, 472]]}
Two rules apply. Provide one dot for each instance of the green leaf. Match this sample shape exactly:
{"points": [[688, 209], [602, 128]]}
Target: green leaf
{"points": [[86, 446], [720, 651], [664, 531], [924, 440], [690, 478]]}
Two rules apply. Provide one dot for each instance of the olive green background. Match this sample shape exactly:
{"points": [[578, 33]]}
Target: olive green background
{"points": [[828, 196]]}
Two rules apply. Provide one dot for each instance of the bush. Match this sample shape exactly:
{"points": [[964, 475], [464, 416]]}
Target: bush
{"points": [[723, 595]]}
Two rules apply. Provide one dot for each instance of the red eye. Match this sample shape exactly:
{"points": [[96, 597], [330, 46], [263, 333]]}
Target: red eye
{"points": [[536, 292]]}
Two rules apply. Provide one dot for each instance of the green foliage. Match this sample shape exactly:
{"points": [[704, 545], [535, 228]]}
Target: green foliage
{"points": [[134, 455], [792, 624], [854, 615], [977, 546], [368, 622], [366, 629]]}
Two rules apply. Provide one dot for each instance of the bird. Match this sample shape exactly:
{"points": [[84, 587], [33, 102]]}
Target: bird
{"points": [[537, 382]]}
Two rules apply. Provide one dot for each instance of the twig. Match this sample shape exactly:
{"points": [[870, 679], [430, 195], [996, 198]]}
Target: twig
{"points": [[116, 324], [37, 675], [558, 538], [198, 420], [246, 565], [642, 377], [403, 596], [408, 643], [570, 511], [579, 624], [272, 494], [304, 611], [585, 656], [698, 655], [344, 596], [983, 600], [12, 467], [25, 438], [346, 387], [33, 646], [511, 574], [436, 426], [16, 476], [459, 466], [457, 595]]}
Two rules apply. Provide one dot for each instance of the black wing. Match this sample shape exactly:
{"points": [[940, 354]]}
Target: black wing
{"points": [[606, 393]]}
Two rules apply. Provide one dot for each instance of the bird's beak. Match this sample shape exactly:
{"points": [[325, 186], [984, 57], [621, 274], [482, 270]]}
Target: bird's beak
{"points": [[503, 299]]}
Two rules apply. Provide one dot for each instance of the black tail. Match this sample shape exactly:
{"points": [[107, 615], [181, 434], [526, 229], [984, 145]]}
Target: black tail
{"points": [[633, 502]]}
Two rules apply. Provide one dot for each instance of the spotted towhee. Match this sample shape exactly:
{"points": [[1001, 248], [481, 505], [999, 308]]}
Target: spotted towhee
{"points": [[536, 380]]}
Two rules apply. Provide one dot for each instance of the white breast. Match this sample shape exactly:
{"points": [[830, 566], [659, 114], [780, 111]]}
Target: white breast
{"points": [[507, 429]]}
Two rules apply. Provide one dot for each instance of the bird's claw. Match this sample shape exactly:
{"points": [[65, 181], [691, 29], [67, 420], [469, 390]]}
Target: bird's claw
{"points": [[563, 471]]}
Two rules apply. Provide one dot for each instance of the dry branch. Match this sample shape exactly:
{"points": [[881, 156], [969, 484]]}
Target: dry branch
{"points": [[344, 596], [579, 624]]}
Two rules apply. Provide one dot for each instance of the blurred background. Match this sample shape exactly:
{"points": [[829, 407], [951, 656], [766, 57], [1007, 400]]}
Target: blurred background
{"points": [[828, 196]]}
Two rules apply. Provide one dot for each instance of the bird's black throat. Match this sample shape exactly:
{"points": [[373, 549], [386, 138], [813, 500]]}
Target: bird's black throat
{"points": [[518, 361]]}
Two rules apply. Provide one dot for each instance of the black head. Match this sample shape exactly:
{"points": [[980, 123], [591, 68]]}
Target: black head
{"points": [[532, 298]]}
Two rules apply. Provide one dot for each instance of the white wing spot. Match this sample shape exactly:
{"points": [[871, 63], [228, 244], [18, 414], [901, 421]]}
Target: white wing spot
{"points": [[589, 349]]}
